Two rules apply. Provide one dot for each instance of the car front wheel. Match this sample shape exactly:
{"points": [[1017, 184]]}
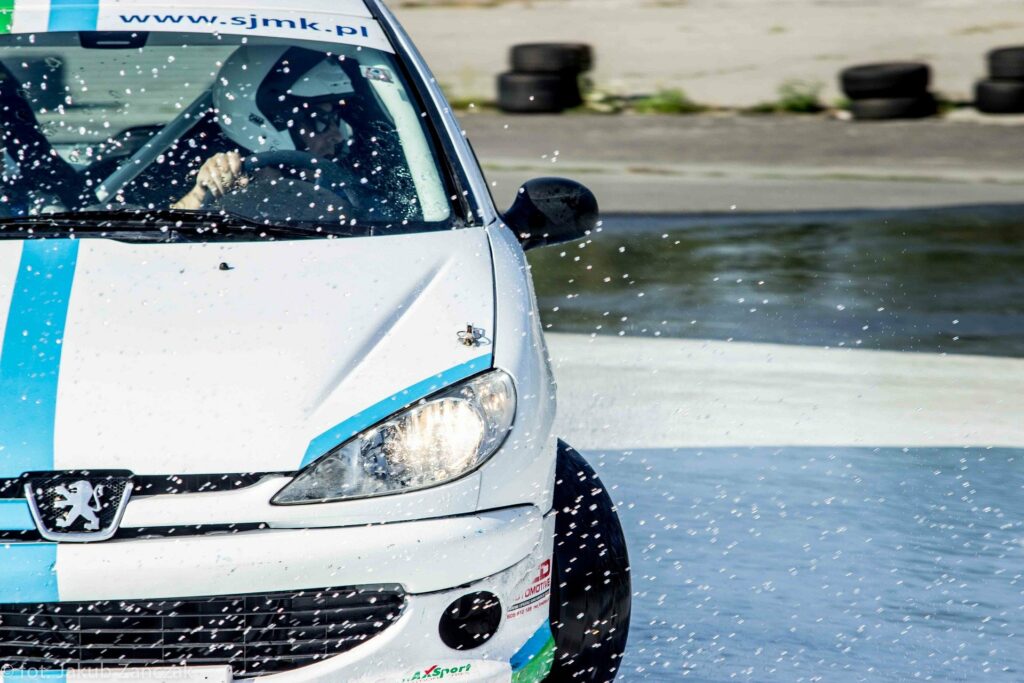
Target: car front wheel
{"points": [[592, 593]]}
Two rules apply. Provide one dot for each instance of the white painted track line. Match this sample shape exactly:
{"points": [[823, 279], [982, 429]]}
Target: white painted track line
{"points": [[630, 393]]}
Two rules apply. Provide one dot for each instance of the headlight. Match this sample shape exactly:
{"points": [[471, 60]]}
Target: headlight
{"points": [[435, 441]]}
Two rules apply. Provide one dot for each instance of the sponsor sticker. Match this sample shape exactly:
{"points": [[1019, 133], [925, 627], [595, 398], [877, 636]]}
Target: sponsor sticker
{"points": [[277, 24], [438, 671], [535, 595], [230, 19]]}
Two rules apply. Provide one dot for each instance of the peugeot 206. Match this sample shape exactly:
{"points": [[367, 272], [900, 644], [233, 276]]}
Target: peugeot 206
{"points": [[274, 396]]}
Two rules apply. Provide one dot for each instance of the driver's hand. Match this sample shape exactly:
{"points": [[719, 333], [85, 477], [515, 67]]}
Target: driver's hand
{"points": [[218, 175]]}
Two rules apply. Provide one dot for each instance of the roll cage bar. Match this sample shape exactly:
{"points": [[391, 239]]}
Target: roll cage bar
{"points": [[154, 147]]}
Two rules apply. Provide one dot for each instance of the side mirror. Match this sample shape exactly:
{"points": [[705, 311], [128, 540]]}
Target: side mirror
{"points": [[551, 211]]}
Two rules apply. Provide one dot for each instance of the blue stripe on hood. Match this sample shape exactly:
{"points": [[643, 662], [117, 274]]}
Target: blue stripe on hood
{"points": [[30, 355], [73, 15], [29, 371], [336, 436]]}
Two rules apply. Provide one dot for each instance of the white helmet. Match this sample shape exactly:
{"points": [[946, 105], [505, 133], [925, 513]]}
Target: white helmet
{"points": [[258, 89]]}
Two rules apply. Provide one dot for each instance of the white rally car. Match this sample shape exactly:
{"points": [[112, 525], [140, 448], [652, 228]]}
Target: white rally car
{"points": [[274, 397]]}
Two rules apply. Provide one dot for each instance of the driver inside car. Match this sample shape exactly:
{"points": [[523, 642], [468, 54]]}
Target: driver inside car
{"points": [[291, 134], [277, 99]]}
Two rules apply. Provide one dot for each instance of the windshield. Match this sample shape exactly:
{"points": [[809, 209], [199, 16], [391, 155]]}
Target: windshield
{"points": [[272, 131]]}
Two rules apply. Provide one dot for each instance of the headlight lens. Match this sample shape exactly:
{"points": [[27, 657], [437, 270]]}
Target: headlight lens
{"points": [[430, 443]]}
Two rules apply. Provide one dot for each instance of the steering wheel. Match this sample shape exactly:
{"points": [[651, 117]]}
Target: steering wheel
{"points": [[319, 171], [309, 168]]}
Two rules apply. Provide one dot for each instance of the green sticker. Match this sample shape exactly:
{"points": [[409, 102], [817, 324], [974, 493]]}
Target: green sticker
{"points": [[6, 16], [539, 667]]}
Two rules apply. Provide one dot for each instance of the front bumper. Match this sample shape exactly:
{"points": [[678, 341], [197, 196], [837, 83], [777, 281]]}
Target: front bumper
{"points": [[412, 650], [435, 561]]}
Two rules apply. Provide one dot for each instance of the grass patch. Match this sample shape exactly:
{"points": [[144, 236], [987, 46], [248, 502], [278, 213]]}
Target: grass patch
{"points": [[472, 104], [671, 101], [795, 97], [947, 106]]}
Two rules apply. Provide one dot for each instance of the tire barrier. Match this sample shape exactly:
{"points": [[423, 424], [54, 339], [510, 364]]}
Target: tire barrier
{"points": [[531, 93], [882, 108], [1003, 91], [1006, 63], [545, 78], [892, 90], [569, 58]]}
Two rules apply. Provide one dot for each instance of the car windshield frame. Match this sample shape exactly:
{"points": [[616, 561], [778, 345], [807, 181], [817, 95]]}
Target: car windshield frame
{"points": [[474, 209], [444, 156]]}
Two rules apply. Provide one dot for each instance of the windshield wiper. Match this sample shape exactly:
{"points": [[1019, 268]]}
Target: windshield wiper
{"points": [[196, 223]]}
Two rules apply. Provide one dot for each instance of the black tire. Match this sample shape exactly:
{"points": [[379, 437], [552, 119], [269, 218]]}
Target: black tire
{"points": [[888, 80], [999, 97], [591, 571], [537, 93], [881, 109], [541, 58], [1006, 62]]}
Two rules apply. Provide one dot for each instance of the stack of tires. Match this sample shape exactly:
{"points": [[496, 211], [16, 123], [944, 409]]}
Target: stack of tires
{"points": [[1003, 91], [893, 90], [545, 78]]}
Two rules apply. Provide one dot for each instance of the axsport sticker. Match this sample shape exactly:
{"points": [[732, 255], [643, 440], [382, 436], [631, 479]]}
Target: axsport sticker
{"points": [[437, 671], [535, 595]]}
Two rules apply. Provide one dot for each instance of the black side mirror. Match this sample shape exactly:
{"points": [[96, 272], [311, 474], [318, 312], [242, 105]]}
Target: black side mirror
{"points": [[551, 211]]}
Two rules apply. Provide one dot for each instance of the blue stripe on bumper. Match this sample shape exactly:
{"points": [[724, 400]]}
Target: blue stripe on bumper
{"points": [[532, 647], [33, 675], [29, 572]]}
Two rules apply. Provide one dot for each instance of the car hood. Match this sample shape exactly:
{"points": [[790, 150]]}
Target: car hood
{"points": [[227, 357]]}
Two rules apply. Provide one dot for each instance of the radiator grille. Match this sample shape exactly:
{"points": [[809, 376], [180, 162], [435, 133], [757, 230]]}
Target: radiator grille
{"points": [[254, 634], [160, 484]]}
